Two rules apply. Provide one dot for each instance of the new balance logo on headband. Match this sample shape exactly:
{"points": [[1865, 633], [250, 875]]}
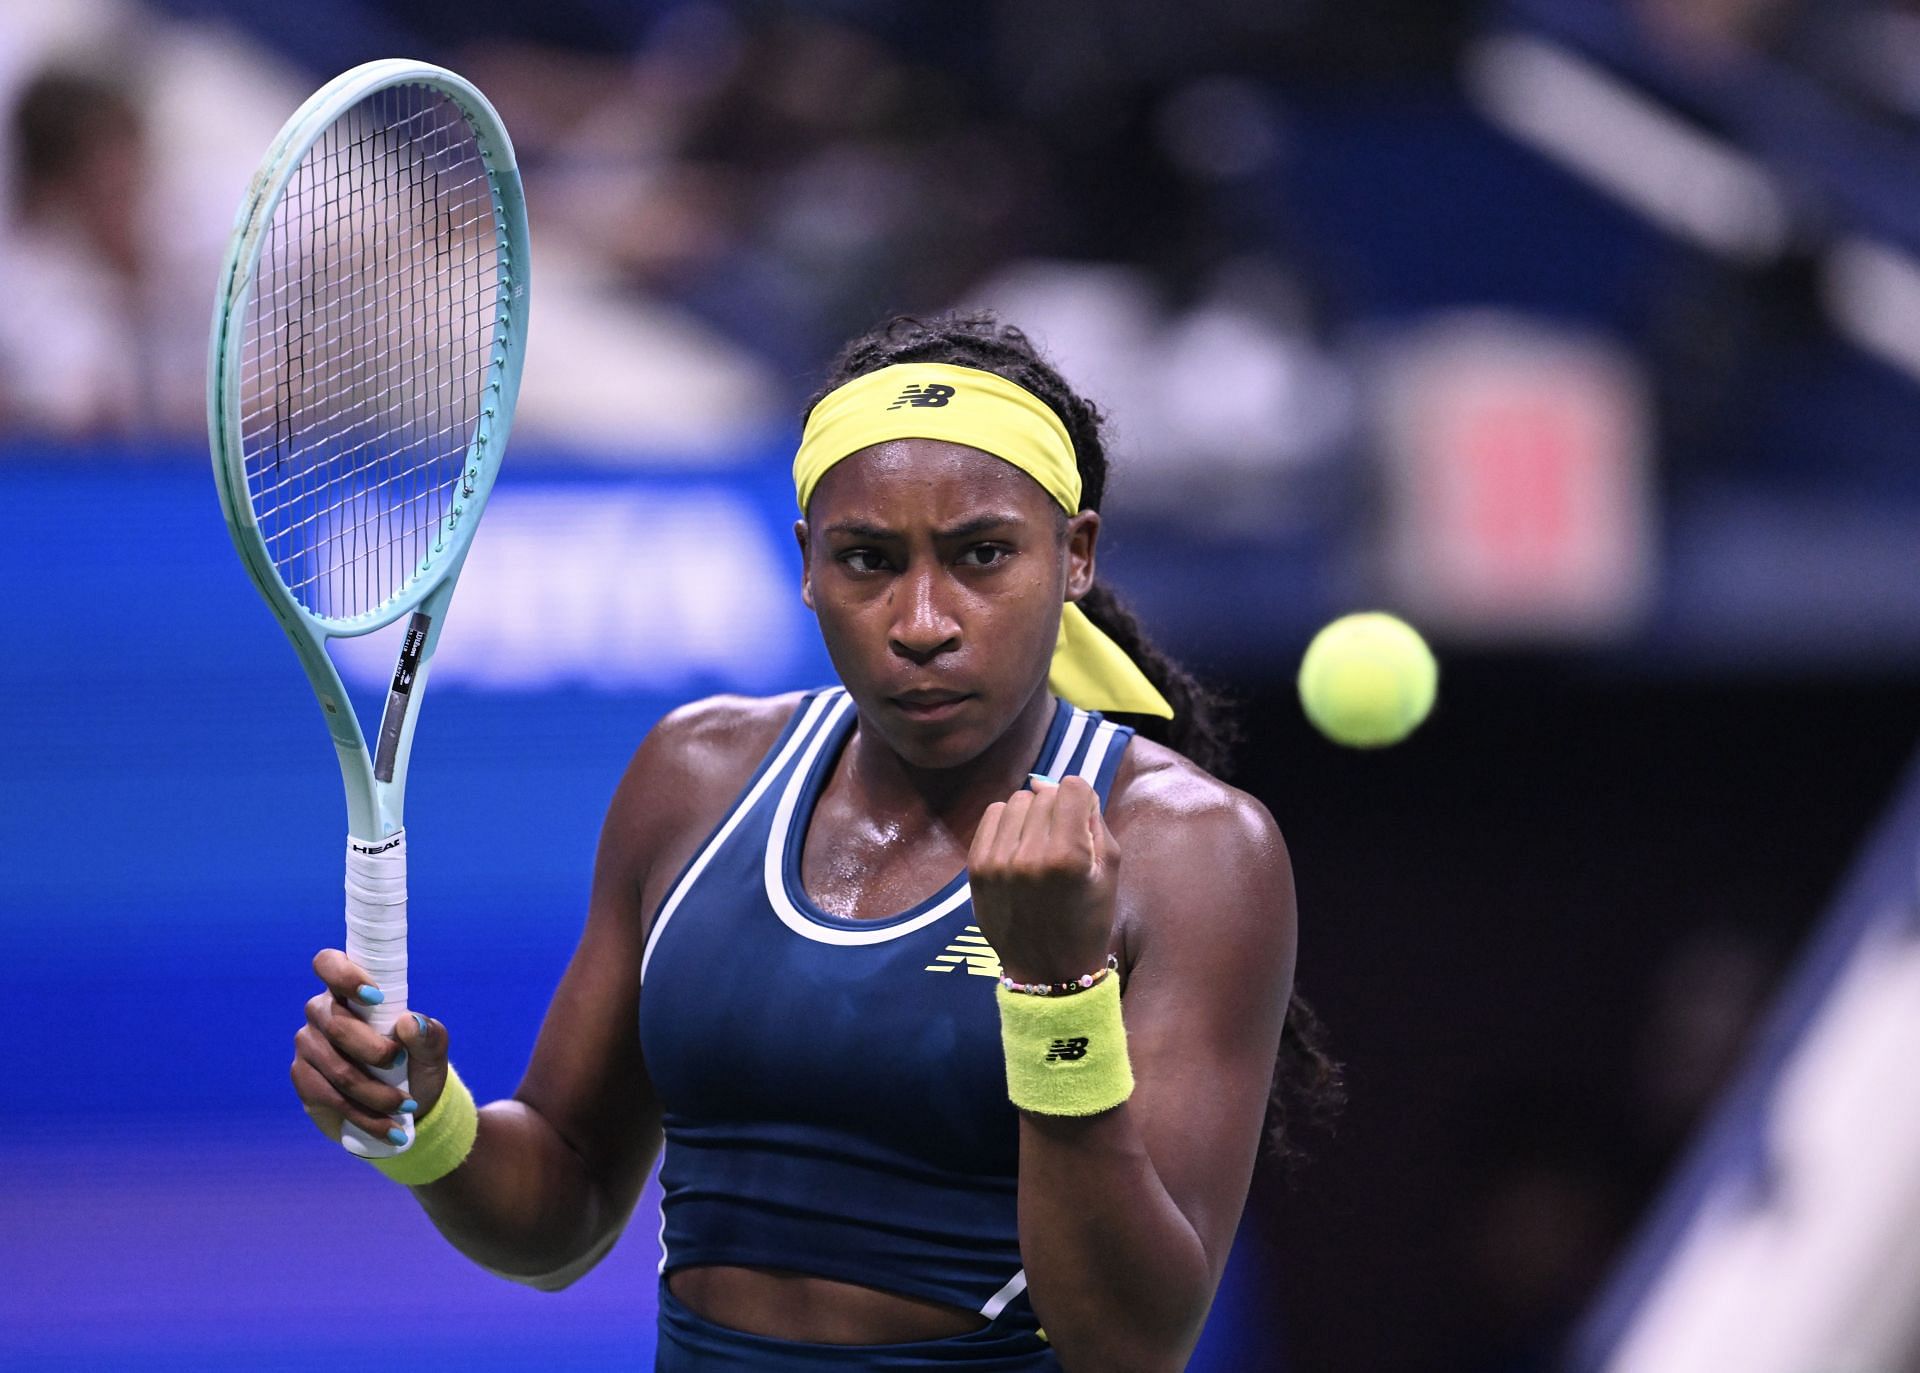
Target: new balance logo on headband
{"points": [[933, 393]]}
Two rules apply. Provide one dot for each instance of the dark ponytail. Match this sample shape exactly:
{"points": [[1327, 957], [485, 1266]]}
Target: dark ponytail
{"points": [[1307, 1081], [1202, 726]]}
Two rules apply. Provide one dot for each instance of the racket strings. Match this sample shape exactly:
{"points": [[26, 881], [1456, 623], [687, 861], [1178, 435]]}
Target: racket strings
{"points": [[372, 513], [357, 298], [348, 542], [306, 439], [303, 498], [369, 349]]}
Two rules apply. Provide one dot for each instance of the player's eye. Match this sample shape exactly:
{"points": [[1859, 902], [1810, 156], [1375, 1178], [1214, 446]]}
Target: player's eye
{"points": [[862, 560], [985, 555]]}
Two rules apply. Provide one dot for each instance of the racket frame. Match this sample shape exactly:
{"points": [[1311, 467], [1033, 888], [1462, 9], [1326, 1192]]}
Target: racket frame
{"points": [[375, 805]]}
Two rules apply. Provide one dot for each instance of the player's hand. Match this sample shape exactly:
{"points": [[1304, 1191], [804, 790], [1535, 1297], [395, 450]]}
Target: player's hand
{"points": [[332, 1050], [1045, 870]]}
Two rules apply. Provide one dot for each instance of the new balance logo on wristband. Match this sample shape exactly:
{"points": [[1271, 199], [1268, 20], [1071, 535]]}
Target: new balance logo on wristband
{"points": [[933, 393], [1066, 1050]]}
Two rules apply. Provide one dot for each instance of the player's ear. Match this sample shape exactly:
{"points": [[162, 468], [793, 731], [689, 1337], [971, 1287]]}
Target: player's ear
{"points": [[1083, 534], [806, 564]]}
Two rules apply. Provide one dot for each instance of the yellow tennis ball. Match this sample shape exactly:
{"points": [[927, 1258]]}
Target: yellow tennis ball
{"points": [[1368, 680]]}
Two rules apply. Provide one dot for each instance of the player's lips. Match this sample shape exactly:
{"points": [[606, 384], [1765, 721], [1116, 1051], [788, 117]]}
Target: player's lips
{"points": [[929, 703]]}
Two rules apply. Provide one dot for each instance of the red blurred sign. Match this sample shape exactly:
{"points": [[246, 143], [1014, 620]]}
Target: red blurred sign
{"points": [[1517, 480]]}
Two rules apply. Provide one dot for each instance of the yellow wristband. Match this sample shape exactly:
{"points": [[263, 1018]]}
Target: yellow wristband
{"points": [[1066, 1055], [442, 1138]]}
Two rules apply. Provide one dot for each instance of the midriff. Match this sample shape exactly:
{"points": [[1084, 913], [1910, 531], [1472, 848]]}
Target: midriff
{"points": [[798, 1306]]}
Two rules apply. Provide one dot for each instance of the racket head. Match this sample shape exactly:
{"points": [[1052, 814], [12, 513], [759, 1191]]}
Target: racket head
{"points": [[367, 343]]}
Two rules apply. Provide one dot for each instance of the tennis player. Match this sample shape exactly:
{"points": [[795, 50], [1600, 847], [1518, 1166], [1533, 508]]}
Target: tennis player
{"points": [[955, 1000]]}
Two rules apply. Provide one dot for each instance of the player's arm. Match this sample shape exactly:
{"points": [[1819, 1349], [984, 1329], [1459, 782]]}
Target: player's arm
{"points": [[1127, 1217], [555, 1171]]}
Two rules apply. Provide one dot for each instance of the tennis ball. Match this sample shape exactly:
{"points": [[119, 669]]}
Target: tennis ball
{"points": [[1368, 680]]}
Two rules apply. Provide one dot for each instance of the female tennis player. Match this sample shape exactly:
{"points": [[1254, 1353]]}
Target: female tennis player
{"points": [[955, 1001]]}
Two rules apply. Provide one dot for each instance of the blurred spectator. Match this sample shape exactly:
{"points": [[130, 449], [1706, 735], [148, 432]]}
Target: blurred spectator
{"points": [[791, 177], [89, 345], [786, 178], [121, 196], [75, 265], [1561, 1174], [1554, 1195], [1706, 29], [1226, 411], [1863, 53], [1706, 995], [1876, 43]]}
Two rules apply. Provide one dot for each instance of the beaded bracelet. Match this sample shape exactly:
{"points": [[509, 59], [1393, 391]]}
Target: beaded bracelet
{"points": [[1079, 984]]}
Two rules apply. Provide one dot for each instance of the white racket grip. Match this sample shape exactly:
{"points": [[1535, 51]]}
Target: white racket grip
{"points": [[377, 942]]}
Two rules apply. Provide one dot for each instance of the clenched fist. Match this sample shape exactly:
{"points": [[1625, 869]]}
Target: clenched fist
{"points": [[1045, 870]]}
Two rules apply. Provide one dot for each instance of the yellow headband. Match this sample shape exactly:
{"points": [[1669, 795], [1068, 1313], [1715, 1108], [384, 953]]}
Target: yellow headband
{"points": [[935, 400]]}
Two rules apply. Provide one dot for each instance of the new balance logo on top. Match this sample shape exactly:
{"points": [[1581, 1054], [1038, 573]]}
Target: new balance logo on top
{"points": [[971, 951], [933, 393], [1066, 1051]]}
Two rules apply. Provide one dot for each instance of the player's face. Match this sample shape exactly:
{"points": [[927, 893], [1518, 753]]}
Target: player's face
{"points": [[938, 573]]}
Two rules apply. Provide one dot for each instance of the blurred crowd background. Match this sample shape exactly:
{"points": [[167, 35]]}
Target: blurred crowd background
{"points": [[1586, 333]]}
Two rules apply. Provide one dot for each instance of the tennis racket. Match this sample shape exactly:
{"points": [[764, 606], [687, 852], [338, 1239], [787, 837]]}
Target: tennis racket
{"points": [[367, 343]]}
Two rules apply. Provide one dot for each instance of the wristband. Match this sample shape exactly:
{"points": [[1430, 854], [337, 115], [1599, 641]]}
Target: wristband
{"points": [[1066, 1056], [442, 1139]]}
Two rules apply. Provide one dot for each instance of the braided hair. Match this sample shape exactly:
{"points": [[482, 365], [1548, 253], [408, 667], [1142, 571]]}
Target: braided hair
{"points": [[1307, 1080]]}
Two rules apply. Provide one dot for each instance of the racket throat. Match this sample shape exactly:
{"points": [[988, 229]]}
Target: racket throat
{"points": [[406, 674]]}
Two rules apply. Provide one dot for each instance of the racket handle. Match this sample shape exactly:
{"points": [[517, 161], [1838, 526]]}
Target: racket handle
{"points": [[377, 942]]}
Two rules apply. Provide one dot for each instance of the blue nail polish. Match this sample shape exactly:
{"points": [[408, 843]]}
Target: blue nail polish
{"points": [[420, 1021], [409, 1106], [396, 1136], [370, 994], [1034, 777]]}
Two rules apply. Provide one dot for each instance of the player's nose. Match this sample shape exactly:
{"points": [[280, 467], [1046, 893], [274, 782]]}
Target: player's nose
{"points": [[923, 625]]}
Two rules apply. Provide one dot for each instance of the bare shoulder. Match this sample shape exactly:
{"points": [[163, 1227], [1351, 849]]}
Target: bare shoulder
{"points": [[704, 747], [1198, 855], [683, 777], [717, 732], [1163, 801]]}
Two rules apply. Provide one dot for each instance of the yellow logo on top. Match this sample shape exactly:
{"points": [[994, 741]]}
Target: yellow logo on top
{"points": [[970, 951]]}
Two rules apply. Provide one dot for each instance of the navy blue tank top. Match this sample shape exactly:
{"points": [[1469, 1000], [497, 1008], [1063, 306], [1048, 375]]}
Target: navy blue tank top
{"points": [[834, 1090]]}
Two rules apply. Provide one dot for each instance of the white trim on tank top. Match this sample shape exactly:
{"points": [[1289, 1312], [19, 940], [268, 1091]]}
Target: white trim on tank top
{"points": [[767, 778], [999, 1300], [773, 868], [1076, 726], [1097, 751]]}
